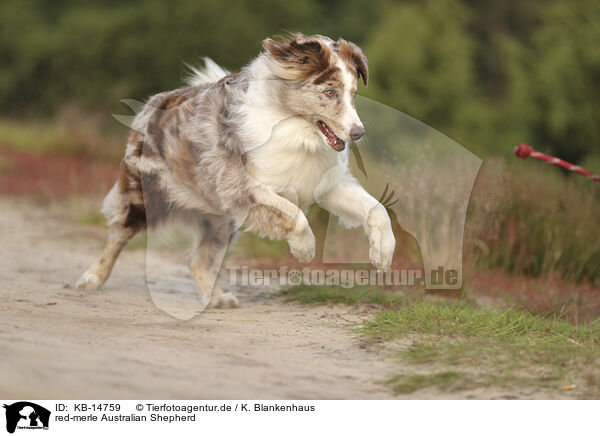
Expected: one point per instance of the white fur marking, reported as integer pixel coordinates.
(350, 116)
(209, 74)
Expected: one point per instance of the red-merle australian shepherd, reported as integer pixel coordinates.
(249, 150)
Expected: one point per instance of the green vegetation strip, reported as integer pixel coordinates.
(453, 345)
(339, 295)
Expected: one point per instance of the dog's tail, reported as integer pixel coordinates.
(209, 74)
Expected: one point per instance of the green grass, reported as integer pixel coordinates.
(338, 295)
(406, 384)
(490, 347)
(465, 319)
(453, 345)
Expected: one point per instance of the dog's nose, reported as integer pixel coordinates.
(357, 132)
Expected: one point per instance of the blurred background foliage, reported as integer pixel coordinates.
(489, 74)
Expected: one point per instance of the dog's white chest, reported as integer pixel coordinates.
(297, 175)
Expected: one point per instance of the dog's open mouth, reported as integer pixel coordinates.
(334, 141)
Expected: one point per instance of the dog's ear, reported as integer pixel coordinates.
(355, 57)
(306, 55)
(292, 48)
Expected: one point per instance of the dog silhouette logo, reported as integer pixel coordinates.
(26, 415)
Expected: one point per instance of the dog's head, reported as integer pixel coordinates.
(319, 82)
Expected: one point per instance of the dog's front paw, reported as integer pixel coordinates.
(303, 249)
(302, 241)
(381, 258)
(381, 239)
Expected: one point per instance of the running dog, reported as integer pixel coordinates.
(248, 151)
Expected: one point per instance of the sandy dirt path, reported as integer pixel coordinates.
(59, 342)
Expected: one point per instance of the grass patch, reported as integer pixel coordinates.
(484, 347)
(465, 319)
(337, 295)
(454, 345)
(406, 384)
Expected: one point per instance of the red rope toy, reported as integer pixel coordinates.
(524, 151)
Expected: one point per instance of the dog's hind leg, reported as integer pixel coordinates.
(126, 218)
(212, 241)
(99, 272)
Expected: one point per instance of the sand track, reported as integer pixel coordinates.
(59, 342)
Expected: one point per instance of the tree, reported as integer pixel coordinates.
(421, 62)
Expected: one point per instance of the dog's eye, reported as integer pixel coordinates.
(330, 93)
